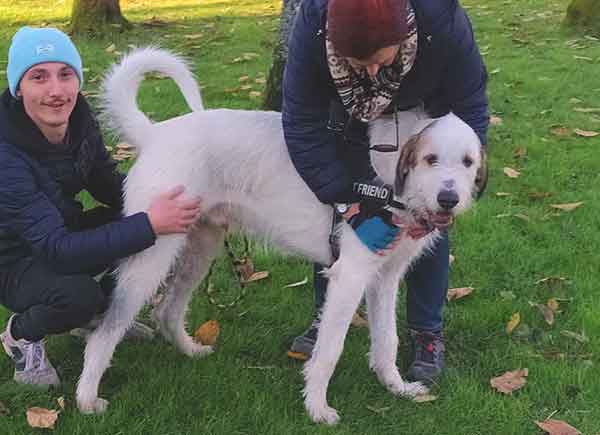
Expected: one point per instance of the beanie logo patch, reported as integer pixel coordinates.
(44, 50)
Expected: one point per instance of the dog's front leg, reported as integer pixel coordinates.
(344, 292)
(381, 306)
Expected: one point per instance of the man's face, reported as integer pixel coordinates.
(383, 57)
(49, 93)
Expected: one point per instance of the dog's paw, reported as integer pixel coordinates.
(323, 414)
(94, 406)
(409, 389)
(197, 350)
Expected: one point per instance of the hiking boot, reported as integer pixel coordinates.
(31, 363)
(303, 345)
(426, 356)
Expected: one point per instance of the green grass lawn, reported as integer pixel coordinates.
(542, 78)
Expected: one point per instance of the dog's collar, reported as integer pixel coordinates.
(396, 204)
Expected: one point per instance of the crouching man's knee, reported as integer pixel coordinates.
(79, 301)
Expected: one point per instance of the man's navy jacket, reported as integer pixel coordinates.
(448, 75)
(39, 213)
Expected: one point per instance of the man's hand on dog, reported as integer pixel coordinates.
(171, 214)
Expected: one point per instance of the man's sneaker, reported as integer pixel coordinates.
(426, 356)
(31, 363)
(303, 345)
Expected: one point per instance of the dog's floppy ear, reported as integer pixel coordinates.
(406, 161)
(481, 178)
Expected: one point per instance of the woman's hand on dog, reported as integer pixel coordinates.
(171, 214)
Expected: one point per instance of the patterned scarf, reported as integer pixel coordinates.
(365, 98)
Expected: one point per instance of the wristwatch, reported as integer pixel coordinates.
(341, 207)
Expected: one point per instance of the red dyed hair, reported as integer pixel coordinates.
(358, 28)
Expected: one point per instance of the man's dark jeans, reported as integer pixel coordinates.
(48, 302)
(427, 285)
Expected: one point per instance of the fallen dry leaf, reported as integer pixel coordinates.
(458, 292)
(553, 304)
(110, 48)
(208, 333)
(245, 267)
(510, 172)
(560, 131)
(378, 410)
(538, 195)
(193, 36)
(42, 417)
(523, 217)
(586, 133)
(359, 321)
(257, 276)
(422, 398)
(557, 427)
(495, 120)
(61, 402)
(260, 80)
(243, 79)
(503, 193)
(552, 280)
(510, 381)
(546, 312)
(520, 152)
(124, 146)
(587, 109)
(451, 259)
(297, 284)
(154, 22)
(514, 321)
(567, 207)
(582, 338)
(245, 87)
(255, 94)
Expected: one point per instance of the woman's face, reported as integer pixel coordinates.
(382, 57)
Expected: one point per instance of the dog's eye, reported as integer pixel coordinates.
(467, 161)
(431, 159)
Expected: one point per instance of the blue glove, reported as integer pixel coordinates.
(375, 231)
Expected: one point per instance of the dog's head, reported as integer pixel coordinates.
(439, 170)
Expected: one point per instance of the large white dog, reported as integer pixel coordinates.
(238, 163)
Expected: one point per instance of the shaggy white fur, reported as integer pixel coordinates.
(238, 163)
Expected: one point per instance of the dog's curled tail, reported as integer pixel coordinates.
(121, 84)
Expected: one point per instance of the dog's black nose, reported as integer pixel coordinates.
(447, 199)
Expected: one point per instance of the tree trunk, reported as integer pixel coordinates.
(273, 97)
(585, 13)
(92, 16)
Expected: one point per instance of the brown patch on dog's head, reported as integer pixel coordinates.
(408, 159)
(481, 178)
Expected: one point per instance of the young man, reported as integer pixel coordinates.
(349, 61)
(51, 149)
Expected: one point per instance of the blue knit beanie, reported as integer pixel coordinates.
(31, 46)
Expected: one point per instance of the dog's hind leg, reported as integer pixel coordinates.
(381, 313)
(347, 284)
(139, 277)
(202, 246)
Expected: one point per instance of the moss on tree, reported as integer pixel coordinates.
(584, 13)
(93, 16)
